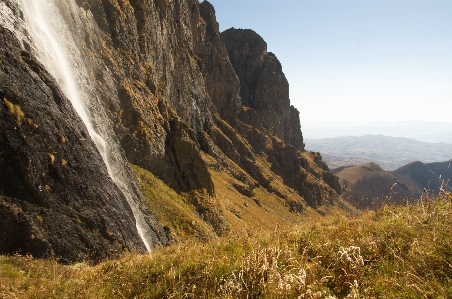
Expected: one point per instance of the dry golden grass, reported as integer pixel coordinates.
(243, 214)
(395, 252)
(171, 208)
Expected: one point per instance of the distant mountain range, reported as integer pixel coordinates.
(424, 131)
(388, 152)
(370, 186)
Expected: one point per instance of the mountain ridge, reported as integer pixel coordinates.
(424, 131)
(369, 186)
(425, 177)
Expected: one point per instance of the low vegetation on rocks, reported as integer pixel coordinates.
(394, 252)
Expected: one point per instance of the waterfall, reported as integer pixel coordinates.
(51, 42)
(194, 106)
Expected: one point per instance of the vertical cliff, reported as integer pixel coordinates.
(185, 103)
(56, 197)
(264, 88)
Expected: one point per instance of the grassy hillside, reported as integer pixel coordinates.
(432, 176)
(395, 252)
(418, 176)
(369, 186)
(197, 216)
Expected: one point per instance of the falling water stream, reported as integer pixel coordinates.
(51, 42)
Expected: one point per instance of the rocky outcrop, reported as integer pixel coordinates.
(147, 75)
(173, 67)
(56, 198)
(222, 83)
(264, 88)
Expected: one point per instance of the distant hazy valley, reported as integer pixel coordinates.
(377, 169)
(388, 152)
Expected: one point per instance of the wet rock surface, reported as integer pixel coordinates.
(56, 198)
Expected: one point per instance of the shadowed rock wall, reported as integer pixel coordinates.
(56, 198)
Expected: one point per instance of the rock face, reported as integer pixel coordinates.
(222, 83)
(181, 99)
(57, 199)
(264, 87)
(149, 80)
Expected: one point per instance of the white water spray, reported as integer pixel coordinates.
(194, 107)
(52, 43)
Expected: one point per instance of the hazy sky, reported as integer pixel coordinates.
(356, 60)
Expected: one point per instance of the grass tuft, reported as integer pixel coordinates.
(15, 110)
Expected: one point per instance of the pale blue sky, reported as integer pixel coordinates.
(356, 60)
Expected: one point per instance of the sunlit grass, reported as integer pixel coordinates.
(395, 252)
(171, 208)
